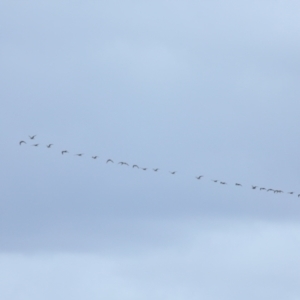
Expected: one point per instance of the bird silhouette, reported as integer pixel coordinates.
(291, 193)
(215, 180)
(79, 154)
(144, 169)
(262, 188)
(123, 163)
(238, 184)
(109, 160)
(270, 190)
(254, 187)
(49, 146)
(32, 137)
(64, 151)
(298, 195)
(278, 191)
(135, 166)
(173, 172)
(35, 145)
(199, 177)
(22, 142)
(222, 182)
(94, 157)
(155, 170)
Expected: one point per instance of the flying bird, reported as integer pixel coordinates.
(222, 182)
(215, 180)
(199, 177)
(94, 157)
(262, 188)
(254, 187)
(109, 160)
(278, 191)
(21, 142)
(35, 145)
(155, 170)
(135, 166)
(173, 172)
(64, 151)
(49, 146)
(291, 193)
(238, 184)
(79, 154)
(298, 195)
(270, 190)
(32, 137)
(123, 163)
(144, 169)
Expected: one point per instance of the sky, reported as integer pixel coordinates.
(198, 87)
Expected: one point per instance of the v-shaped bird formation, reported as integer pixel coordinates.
(123, 163)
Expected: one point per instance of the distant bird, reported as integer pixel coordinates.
(291, 193)
(278, 191)
(238, 184)
(155, 170)
(135, 166)
(215, 180)
(262, 188)
(270, 190)
(109, 160)
(254, 187)
(35, 145)
(199, 177)
(222, 182)
(94, 157)
(32, 137)
(64, 151)
(298, 195)
(123, 163)
(173, 172)
(20, 143)
(49, 146)
(144, 169)
(79, 154)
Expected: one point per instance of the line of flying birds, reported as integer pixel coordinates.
(254, 187)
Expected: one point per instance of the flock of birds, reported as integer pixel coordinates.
(122, 163)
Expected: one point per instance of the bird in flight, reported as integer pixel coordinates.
(222, 182)
(144, 169)
(215, 180)
(32, 137)
(173, 172)
(155, 170)
(109, 160)
(135, 166)
(123, 163)
(298, 195)
(278, 191)
(64, 151)
(270, 190)
(35, 145)
(238, 184)
(21, 142)
(262, 188)
(49, 146)
(291, 193)
(199, 177)
(254, 187)
(94, 157)
(79, 154)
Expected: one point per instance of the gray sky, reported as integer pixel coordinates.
(197, 87)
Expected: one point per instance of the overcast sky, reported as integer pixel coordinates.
(198, 87)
